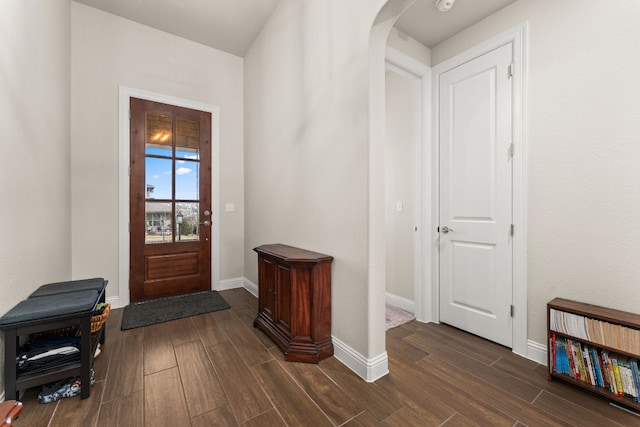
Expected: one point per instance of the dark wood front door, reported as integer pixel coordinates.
(170, 200)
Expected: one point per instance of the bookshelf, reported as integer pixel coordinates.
(595, 348)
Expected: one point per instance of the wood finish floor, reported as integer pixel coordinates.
(217, 370)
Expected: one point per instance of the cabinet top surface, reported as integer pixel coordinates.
(292, 254)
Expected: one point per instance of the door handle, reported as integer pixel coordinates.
(444, 229)
(205, 223)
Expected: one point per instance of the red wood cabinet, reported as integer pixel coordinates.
(294, 301)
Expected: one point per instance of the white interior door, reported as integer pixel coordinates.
(476, 284)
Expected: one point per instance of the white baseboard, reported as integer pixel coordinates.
(234, 283)
(537, 352)
(114, 301)
(400, 302)
(368, 369)
(251, 287)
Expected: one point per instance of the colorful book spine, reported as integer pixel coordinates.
(588, 365)
(618, 378)
(636, 378)
(596, 367)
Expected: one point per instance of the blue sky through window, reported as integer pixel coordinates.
(158, 174)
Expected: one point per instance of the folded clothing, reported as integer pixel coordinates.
(45, 357)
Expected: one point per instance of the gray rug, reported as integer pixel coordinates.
(161, 310)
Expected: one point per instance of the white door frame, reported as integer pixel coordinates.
(518, 37)
(420, 73)
(125, 93)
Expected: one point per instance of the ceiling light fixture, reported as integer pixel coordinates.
(444, 5)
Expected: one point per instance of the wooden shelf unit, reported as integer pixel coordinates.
(609, 315)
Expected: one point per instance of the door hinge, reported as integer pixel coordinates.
(129, 114)
(129, 170)
(510, 70)
(512, 229)
(512, 149)
(512, 310)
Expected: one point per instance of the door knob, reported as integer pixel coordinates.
(205, 223)
(446, 229)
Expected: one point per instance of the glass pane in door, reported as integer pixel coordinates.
(158, 178)
(187, 222)
(158, 223)
(187, 183)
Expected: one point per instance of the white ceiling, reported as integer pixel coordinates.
(423, 22)
(233, 25)
(228, 25)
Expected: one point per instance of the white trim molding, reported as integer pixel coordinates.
(251, 287)
(125, 93)
(400, 302)
(234, 283)
(423, 274)
(517, 36)
(114, 301)
(369, 370)
(537, 352)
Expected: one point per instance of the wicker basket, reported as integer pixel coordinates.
(98, 321)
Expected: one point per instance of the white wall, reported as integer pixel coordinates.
(583, 104)
(35, 247)
(400, 181)
(108, 51)
(306, 149)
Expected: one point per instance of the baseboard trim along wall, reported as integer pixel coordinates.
(114, 301)
(400, 302)
(251, 287)
(234, 283)
(537, 352)
(369, 370)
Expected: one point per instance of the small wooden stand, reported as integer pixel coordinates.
(294, 301)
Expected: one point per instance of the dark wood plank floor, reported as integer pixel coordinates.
(216, 369)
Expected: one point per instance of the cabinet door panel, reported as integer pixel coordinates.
(267, 287)
(283, 299)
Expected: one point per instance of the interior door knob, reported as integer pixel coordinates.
(444, 229)
(205, 223)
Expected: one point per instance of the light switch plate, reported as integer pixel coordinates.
(230, 207)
